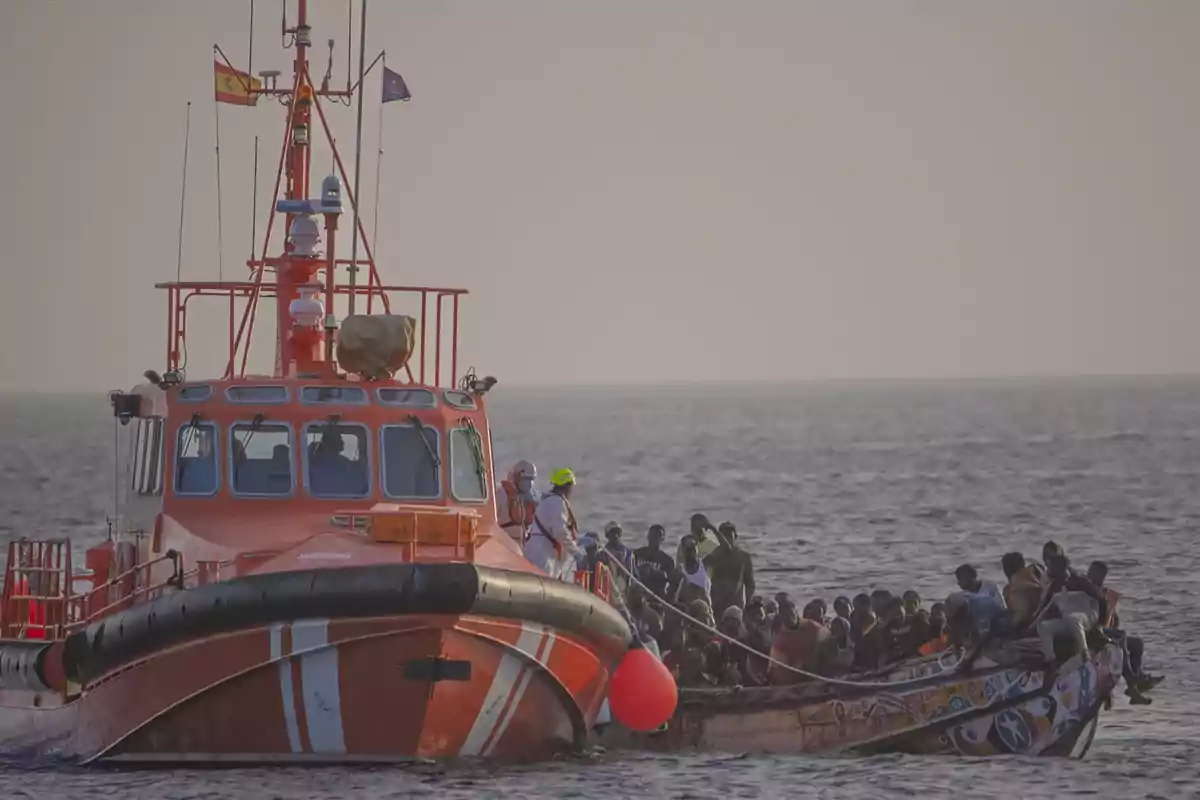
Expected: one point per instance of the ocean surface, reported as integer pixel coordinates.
(836, 488)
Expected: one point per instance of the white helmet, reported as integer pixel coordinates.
(523, 469)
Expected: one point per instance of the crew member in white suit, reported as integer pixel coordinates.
(553, 536)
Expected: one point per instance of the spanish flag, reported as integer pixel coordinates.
(233, 86)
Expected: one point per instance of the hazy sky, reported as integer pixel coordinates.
(641, 191)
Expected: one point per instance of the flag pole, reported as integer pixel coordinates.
(362, 53)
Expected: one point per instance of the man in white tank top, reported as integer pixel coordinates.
(692, 581)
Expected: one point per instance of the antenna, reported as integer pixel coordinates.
(328, 68)
(362, 54)
(254, 203)
(187, 135)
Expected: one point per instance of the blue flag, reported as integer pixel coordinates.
(394, 87)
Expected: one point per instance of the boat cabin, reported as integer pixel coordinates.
(297, 441)
(299, 451)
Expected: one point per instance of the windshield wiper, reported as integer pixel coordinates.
(421, 428)
(476, 448)
(255, 424)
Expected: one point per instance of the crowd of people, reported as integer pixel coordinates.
(700, 612)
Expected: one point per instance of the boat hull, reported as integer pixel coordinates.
(338, 688)
(992, 711)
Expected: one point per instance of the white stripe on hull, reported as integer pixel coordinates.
(319, 687)
(508, 687)
(285, 686)
(322, 692)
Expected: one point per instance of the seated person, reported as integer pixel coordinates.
(784, 605)
(649, 623)
(938, 638)
(1136, 680)
(842, 607)
(899, 638)
(837, 652)
(333, 474)
(724, 658)
(797, 644)
(917, 616)
(815, 611)
(879, 602)
(1023, 592)
(1073, 606)
(985, 601)
(588, 559)
(861, 613)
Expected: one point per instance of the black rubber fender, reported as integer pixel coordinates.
(347, 592)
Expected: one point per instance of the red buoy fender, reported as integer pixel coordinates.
(642, 693)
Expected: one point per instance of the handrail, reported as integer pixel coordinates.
(81, 604)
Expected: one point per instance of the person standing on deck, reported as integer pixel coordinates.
(654, 567)
(692, 581)
(553, 537)
(732, 571)
(517, 500)
(615, 549)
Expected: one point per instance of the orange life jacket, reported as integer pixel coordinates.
(520, 512)
(935, 645)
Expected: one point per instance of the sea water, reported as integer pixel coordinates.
(835, 488)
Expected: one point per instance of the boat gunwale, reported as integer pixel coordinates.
(352, 592)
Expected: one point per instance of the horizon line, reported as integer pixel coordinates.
(676, 382)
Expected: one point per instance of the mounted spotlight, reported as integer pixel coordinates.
(480, 387)
(125, 406)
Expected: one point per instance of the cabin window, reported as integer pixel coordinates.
(408, 398)
(260, 459)
(460, 400)
(195, 394)
(333, 395)
(257, 394)
(196, 459)
(336, 460)
(411, 462)
(468, 473)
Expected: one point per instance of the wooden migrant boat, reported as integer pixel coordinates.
(920, 706)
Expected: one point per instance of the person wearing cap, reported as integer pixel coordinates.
(553, 536)
(517, 500)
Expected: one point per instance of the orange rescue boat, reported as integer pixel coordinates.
(307, 566)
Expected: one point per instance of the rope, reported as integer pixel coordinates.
(718, 634)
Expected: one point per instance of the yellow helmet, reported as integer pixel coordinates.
(562, 477)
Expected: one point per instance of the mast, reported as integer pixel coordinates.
(297, 267)
(305, 282)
